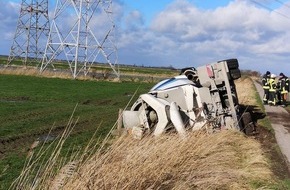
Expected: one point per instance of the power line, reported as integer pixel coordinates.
(270, 9)
(282, 3)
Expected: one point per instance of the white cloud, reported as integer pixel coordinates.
(134, 20)
(241, 29)
(9, 12)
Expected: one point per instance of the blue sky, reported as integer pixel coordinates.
(150, 8)
(182, 33)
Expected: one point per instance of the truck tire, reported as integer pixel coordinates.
(235, 74)
(248, 126)
(232, 64)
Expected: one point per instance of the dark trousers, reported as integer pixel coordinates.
(279, 97)
(266, 95)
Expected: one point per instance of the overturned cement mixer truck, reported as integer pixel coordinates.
(202, 97)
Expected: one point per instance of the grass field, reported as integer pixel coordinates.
(98, 67)
(201, 161)
(30, 106)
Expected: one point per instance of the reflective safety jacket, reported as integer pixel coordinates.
(272, 85)
(265, 81)
(283, 84)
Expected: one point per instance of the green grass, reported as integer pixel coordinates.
(30, 106)
(283, 185)
(11, 167)
(30, 101)
(99, 67)
(265, 122)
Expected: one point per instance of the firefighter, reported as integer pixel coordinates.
(266, 87)
(272, 90)
(283, 89)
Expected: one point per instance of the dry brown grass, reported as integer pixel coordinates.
(245, 90)
(33, 71)
(225, 160)
(41, 166)
(66, 74)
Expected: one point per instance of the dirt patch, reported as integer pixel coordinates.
(22, 143)
(282, 118)
(97, 103)
(266, 137)
(15, 99)
(270, 148)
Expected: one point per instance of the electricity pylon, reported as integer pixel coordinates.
(81, 33)
(31, 32)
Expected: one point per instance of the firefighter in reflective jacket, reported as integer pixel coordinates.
(283, 88)
(266, 87)
(272, 90)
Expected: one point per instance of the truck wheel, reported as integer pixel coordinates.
(235, 74)
(248, 126)
(232, 64)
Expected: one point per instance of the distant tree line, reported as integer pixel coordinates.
(251, 73)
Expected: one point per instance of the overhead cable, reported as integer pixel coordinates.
(270, 9)
(283, 4)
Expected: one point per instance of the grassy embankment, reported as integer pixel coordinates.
(97, 71)
(30, 106)
(200, 162)
(226, 160)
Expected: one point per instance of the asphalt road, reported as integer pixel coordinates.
(280, 121)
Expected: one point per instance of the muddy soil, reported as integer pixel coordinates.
(269, 145)
(22, 143)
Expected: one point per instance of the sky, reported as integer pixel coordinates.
(186, 33)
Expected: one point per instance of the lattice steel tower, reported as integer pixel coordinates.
(31, 33)
(82, 33)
